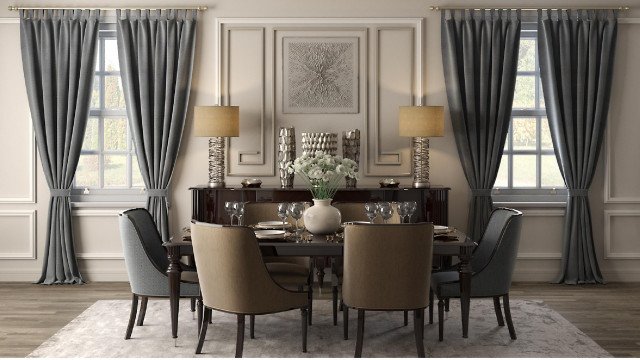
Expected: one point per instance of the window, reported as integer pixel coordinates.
(108, 163)
(528, 165)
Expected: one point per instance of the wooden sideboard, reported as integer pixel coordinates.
(208, 203)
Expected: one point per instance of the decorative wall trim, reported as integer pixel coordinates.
(31, 253)
(29, 198)
(97, 213)
(608, 214)
(608, 198)
(100, 256)
(541, 255)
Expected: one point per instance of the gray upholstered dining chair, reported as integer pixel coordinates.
(492, 262)
(146, 261)
(385, 268)
(234, 279)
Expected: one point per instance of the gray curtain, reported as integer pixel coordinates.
(480, 58)
(58, 58)
(576, 61)
(155, 50)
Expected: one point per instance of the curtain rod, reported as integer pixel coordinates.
(439, 8)
(16, 8)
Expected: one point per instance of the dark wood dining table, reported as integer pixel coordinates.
(319, 245)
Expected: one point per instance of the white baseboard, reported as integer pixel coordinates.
(88, 275)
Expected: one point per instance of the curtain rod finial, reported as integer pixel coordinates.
(202, 8)
(434, 8)
(13, 8)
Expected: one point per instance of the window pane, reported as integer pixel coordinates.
(527, 55)
(524, 133)
(115, 170)
(136, 177)
(550, 176)
(111, 55)
(545, 135)
(95, 93)
(525, 95)
(91, 135)
(113, 96)
(502, 180)
(88, 171)
(115, 134)
(541, 99)
(524, 171)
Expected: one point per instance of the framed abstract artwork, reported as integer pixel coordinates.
(320, 75)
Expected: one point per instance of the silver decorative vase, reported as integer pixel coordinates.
(314, 141)
(351, 150)
(286, 153)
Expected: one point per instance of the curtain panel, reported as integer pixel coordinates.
(58, 58)
(480, 58)
(155, 49)
(576, 63)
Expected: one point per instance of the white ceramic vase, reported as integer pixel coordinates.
(322, 218)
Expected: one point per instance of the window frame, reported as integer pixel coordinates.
(539, 194)
(100, 194)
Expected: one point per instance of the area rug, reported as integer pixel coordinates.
(99, 332)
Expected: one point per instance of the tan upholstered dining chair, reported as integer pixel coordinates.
(387, 268)
(234, 279)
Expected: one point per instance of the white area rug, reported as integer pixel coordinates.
(99, 332)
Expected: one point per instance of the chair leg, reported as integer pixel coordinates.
(252, 324)
(193, 304)
(203, 330)
(304, 313)
(360, 335)
(132, 316)
(446, 305)
(143, 310)
(430, 306)
(341, 305)
(199, 311)
(440, 319)
(345, 321)
(240, 336)
(507, 314)
(406, 318)
(310, 311)
(335, 305)
(496, 306)
(418, 329)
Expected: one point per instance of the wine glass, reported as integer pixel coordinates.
(402, 211)
(238, 208)
(295, 210)
(228, 208)
(385, 210)
(371, 210)
(411, 207)
(282, 213)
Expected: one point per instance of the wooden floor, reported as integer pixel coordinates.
(30, 314)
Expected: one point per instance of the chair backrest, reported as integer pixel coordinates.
(262, 211)
(494, 259)
(387, 266)
(232, 275)
(144, 256)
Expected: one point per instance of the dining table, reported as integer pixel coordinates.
(455, 244)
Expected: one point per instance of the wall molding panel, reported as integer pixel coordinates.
(30, 254)
(541, 255)
(97, 213)
(608, 215)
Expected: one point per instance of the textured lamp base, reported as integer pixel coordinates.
(216, 162)
(420, 162)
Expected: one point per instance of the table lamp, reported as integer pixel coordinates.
(217, 123)
(420, 123)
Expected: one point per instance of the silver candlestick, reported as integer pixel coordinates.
(286, 153)
(351, 150)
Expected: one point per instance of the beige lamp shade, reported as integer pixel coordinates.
(421, 121)
(216, 121)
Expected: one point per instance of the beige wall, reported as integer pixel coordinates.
(23, 208)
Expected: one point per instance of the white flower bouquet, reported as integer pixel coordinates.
(323, 172)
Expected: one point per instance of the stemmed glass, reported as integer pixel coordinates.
(371, 210)
(282, 213)
(295, 210)
(238, 210)
(228, 207)
(402, 211)
(410, 207)
(385, 210)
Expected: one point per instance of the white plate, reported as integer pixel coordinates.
(269, 234)
(355, 223)
(272, 225)
(440, 229)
